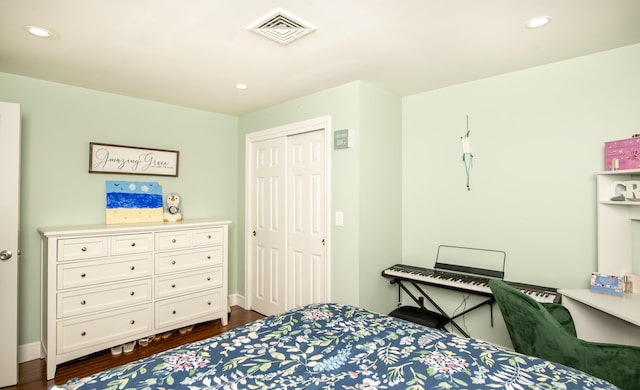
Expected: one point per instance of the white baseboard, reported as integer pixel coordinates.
(237, 300)
(28, 352)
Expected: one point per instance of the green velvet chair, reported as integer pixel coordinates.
(547, 331)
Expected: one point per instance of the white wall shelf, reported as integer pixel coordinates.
(620, 172)
(606, 318)
(615, 223)
(620, 203)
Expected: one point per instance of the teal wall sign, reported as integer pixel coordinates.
(341, 139)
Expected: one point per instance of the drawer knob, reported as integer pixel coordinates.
(173, 286)
(132, 322)
(208, 277)
(209, 257)
(83, 334)
(84, 249)
(133, 268)
(173, 241)
(133, 244)
(174, 312)
(209, 236)
(133, 293)
(173, 262)
(209, 303)
(82, 275)
(83, 302)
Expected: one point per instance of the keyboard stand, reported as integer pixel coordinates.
(445, 318)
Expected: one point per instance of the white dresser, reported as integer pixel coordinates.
(104, 285)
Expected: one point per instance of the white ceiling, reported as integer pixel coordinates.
(193, 52)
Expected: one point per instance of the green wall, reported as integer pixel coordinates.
(341, 104)
(380, 195)
(59, 121)
(537, 138)
(365, 244)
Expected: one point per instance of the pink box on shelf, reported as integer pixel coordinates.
(625, 151)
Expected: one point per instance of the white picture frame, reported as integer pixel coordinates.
(131, 160)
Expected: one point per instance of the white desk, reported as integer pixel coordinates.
(604, 318)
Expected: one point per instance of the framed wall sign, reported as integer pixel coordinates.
(106, 158)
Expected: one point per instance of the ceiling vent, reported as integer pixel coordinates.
(282, 27)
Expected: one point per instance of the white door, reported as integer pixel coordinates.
(286, 217)
(9, 198)
(268, 236)
(306, 237)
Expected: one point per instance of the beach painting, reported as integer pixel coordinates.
(133, 202)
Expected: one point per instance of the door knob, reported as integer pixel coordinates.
(5, 255)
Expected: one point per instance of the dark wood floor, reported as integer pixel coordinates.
(32, 374)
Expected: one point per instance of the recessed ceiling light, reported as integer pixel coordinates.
(538, 21)
(40, 32)
(241, 86)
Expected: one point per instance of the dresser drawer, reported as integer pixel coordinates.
(131, 243)
(93, 330)
(185, 282)
(203, 237)
(112, 296)
(173, 240)
(82, 248)
(188, 259)
(86, 273)
(173, 311)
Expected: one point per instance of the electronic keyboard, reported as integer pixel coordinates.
(470, 283)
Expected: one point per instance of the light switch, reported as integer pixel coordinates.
(339, 218)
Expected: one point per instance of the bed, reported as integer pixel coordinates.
(333, 346)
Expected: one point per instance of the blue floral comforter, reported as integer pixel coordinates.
(331, 346)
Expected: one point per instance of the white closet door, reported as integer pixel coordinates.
(9, 198)
(287, 260)
(268, 220)
(306, 228)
